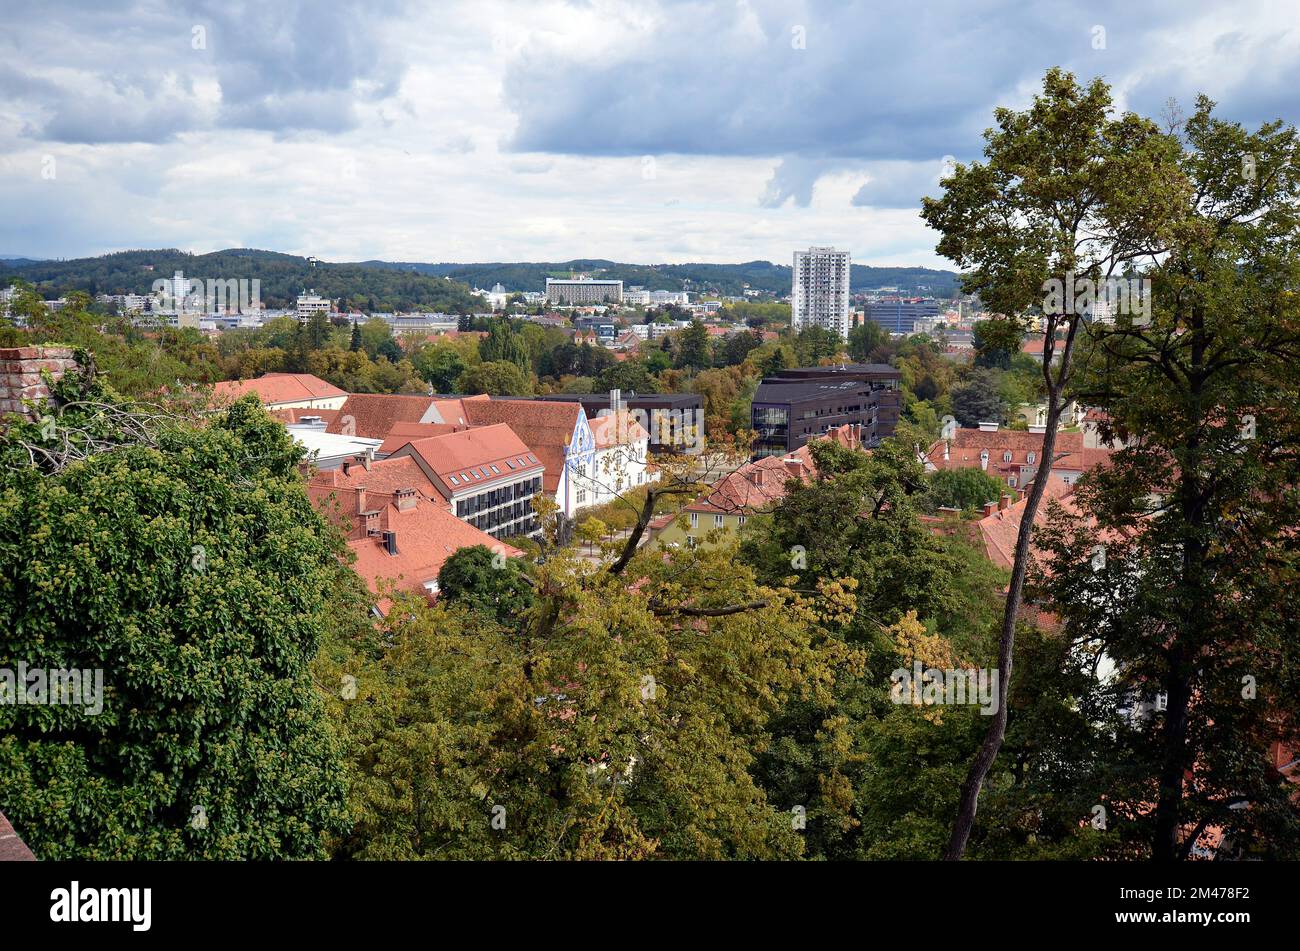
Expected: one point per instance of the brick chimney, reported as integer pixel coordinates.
(361, 499)
(1003, 502)
(990, 508)
(793, 467)
(20, 375)
(756, 475)
(405, 499)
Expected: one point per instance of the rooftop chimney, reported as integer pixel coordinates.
(361, 496)
(756, 475)
(1003, 502)
(390, 542)
(364, 459)
(794, 466)
(945, 450)
(405, 499)
(990, 508)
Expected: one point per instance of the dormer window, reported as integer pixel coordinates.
(1030, 458)
(1006, 457)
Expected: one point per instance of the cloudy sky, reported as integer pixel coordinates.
(490, 130)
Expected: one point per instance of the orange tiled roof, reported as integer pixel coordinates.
(754, 486)
(272, 388)
(965, 448)
(544, 425)
(372, 415)
(999, 530)
(294, 414)
(402, 433)
(426, 536)
(469, 455)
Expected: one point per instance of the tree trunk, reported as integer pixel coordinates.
(970, 789)
(1165, 848)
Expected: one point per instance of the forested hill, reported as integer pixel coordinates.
(394, 285)
(283, 277)
(715, 278)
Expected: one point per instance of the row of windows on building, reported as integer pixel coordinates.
(718, 520)
(483, 501)
(489, 471)
(580, 494)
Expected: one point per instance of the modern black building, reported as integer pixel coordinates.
(801, 403)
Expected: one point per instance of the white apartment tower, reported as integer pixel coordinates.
(820, 297)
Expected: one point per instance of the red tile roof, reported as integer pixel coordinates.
(273, 388)
(426, 535)
(965, 448)
(547, 427)
(295, 414)
(1000, 530)
(756, 485)
(402, 433)
(373, 415)
(469, 456)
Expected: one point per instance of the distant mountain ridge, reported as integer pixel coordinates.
(282, 278)
(399, 285)
(729, 279)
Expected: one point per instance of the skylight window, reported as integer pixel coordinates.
(496, 470)
(531, 457)
(453, 481)
(510, 463)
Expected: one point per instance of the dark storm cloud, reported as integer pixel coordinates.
(874, 80)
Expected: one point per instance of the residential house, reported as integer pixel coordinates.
(399, 527)
(486, 475)
(736, 497)
(620, 461)
(1013, 457)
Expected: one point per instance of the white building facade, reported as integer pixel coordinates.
(820, 293)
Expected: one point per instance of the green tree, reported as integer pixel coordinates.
(978, 399)
(1067, 191)
(693, 348)
(964, 489)
(814, 344)
(1193, 598)
(186, 565)
(440, 367)
(996, 342)
(504, 344)
(486, 581)
(864, 339)
(501, 378)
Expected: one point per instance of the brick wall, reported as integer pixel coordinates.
(20, 374)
